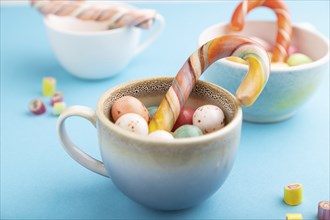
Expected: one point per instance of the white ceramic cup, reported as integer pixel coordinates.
(287, 88)
(87, 50)
(166, 175)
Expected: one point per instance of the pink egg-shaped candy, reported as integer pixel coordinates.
(128, 104)
(209, 118)
(292, 49)
(161, 135)
(185, 118)
(134, 123)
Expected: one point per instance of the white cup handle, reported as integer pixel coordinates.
(153, 36)
(77, 154)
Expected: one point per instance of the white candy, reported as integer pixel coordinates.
(161, 135)
(134, 123)
(209, 118)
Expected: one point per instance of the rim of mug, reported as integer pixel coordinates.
(180, 141)
(279, 70)
(49, 25)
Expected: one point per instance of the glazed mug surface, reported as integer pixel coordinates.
(164, 175)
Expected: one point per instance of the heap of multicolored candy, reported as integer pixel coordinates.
(130, 114)
(115, 16)
(38, 107)
(282, 54)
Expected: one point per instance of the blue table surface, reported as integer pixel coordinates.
(40, 181)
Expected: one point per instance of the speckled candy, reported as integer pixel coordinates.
(293, 194)
(128, 104)
(187, 131)
(161, 135)
(134, 123)
(209, 118)
(298, 59)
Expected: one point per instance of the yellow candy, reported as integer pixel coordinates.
(237, 60)
(59, 107)
(294, 217)
(293, 194)
(48, 86)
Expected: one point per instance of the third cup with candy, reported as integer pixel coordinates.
(292, 81)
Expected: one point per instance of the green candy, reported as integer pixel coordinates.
(186, 131)
(152, 110)
(298, 59)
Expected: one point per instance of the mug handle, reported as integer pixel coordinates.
(77, 154)
(153, 36)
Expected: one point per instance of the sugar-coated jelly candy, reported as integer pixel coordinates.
(294, 216)
(293, 194)
(186, 131)
(48, 86)
(323, 210)
(37, 107)
(59, 107)
(56, 97)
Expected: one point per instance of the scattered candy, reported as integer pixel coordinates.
(152, 110)
(59, 107)
(48, 86)
(323, 210)
(134, 123)
(56, 97)
(185, 118)
(128, 104)
(209, 118)
(284, 29)
(294, 217)
(187, 131)
(298, 59)
(116, 16)
(37, 107)
(293, 194)
(201, 59)
(161, 135)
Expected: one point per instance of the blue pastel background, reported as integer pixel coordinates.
(40, 181)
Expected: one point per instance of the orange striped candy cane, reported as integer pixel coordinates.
(284, 32)
(185, 80)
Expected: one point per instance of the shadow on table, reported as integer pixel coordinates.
(102, 199)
